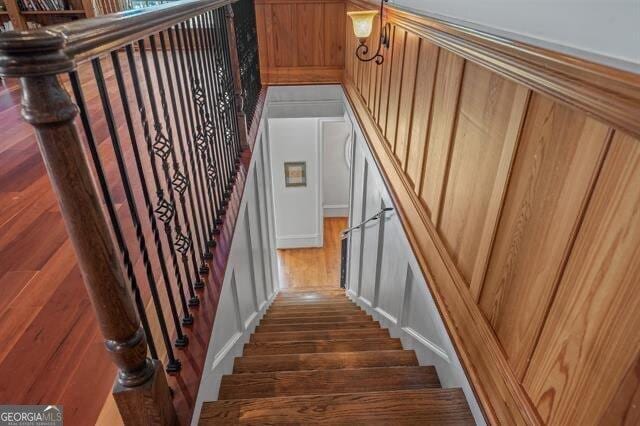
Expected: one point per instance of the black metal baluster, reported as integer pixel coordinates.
(208, 117)
(221, 105)
(164, 209)
(203, 120)
(232, 131)
(189, 127)
(124, 175)
(185, 166)
(199, 99)
(178, 183)
(197, 135)
(214, 99)
(247, 45)
(113, 216)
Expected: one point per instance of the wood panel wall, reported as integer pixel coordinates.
(522, 200)
(301, 41)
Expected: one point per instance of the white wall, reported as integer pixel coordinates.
(383, 276)
(335, 174)
(250, 280)
(298, 209)
(606, 31)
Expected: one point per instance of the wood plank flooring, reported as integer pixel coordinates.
(314, 267)
(340, 374)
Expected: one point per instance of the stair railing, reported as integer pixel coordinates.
(146, 206)
(344, 242)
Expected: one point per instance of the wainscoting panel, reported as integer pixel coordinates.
(512, 170)
(301, 41)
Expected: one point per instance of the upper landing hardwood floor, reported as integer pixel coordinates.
(314, 267)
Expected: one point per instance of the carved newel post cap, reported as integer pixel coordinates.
(33, 53)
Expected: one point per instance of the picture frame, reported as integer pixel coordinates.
(295, 173)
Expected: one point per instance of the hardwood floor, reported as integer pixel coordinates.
(52, 351)
(330, 377)
(314, 267)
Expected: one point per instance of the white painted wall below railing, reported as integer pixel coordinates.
(250, 280)
(383, 276)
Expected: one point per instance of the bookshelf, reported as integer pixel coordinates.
(25, 14)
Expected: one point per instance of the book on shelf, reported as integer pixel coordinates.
(6, 26)
(43, 5)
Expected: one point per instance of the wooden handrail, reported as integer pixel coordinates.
(37, 57)
(82, 40)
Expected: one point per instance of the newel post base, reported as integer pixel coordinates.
(146, 404)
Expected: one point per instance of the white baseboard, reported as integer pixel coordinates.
(299, 241)
(335, 210)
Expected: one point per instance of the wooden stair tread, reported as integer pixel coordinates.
(318, 319)
(290, 383)
(317, 326)
(309, 296)
(309, 290)
(424, 406)
(318, 361)
(319, 335)
(316, 313)
(316, 346)
(316, 357)
(307, 305)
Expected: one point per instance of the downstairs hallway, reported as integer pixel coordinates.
(305, 268)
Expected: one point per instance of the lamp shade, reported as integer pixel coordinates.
(362, 22)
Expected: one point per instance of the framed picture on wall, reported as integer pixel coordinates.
(295, 173)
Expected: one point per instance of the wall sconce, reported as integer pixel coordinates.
(362, 27)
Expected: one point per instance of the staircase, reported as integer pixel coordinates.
(317, 358)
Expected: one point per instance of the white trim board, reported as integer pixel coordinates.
(299, 241)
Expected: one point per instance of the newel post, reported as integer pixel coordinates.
(140, 390)
(237, 79)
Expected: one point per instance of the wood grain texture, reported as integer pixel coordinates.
(320, 346)
(407, 98)
(591, 335)
(300, 42)
(558, 158)
(314, 267)
(315, 319)
(445, 106)
(427, 407)
(317, 326)
(395, 83)
(503, 164)
(323, 361)
(483, 141)
(610, 94)
(290, 383)
(421, 116)
(299, 336)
